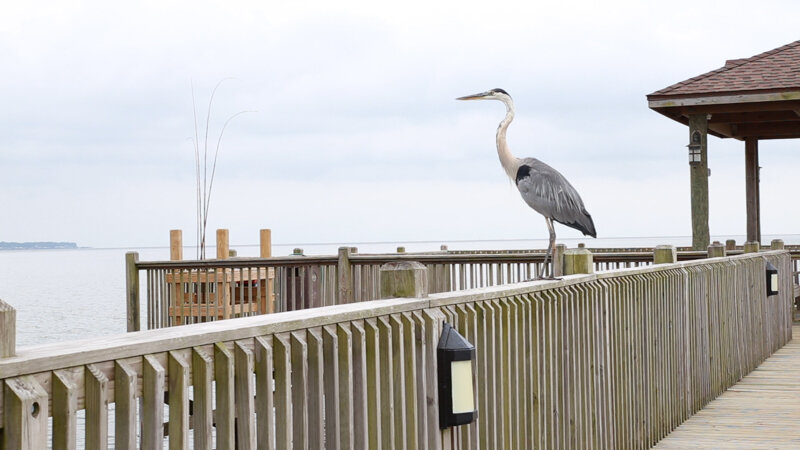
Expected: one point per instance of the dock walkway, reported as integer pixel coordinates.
(761, 411)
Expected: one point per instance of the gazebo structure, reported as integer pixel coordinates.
(748, 99)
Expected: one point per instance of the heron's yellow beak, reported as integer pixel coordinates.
(480, 96)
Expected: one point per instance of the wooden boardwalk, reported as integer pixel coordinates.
(761, 411)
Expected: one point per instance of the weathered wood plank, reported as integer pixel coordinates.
(373, 373)
(345, 357)
(202, 417)
(25, 409)
(244, 394)
(360, 405)
(65, 408)
(282, 351)
(225, 416)
(125, 388)
(331, 383)
(96, 404)
(264, 395)
(299, 379)
(153, 377)
(178, 428)
(316, 388)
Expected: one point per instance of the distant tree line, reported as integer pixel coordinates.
(35, 245)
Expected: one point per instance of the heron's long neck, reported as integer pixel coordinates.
(507, 160)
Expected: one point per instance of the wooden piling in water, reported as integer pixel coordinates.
(223, 250)
(175, 245)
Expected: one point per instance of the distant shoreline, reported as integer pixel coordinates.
(37, 245)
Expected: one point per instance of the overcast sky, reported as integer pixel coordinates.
(355, 134)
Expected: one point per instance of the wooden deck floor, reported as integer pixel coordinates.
(761, 411)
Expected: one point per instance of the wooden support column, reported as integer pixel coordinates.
(699, 184)
(752, 190)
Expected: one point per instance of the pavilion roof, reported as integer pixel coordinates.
(775, 70)
(749, 97)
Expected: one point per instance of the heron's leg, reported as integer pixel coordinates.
(551, 248)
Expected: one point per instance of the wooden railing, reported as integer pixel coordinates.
(608, 360)
(180, 292)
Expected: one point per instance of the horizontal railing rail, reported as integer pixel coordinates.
(608, 360)
(182, 292)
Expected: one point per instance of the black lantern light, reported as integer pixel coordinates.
(454, 356)
(695, 147)
(772, 279)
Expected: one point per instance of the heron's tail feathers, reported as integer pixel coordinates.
(584, 224)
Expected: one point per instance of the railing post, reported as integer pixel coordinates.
(730, 244)
(776, 244)
(408, 279)
(751, 247)
(25, 412)
(265, 241)
(716, 250)
(664, 254)
(8, 330)
(132, 289)
(578, 261)
(558, 260)
(344, 277)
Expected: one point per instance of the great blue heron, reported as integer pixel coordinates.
(543, 188)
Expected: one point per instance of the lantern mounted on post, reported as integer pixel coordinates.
(695, 148)
(772, 279)
(454, 357)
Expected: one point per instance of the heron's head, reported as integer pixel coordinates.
(494, 94)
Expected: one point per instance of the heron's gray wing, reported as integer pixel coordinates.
(547, 191)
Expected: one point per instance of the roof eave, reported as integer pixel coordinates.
(666, 101)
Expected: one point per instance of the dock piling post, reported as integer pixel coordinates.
(175, 245)
(223, 251)
(266, 243)
(776, 244)
(730, 244)
(408, 279)
(8, 330)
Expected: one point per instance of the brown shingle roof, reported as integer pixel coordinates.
(775, 70)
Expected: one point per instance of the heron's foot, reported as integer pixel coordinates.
(543, 278)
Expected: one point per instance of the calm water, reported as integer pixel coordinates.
(71, 294)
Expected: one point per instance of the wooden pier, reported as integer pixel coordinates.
(761, 411)
(614, 359)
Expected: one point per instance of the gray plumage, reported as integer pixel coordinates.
(543, 188)
(550, 194)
